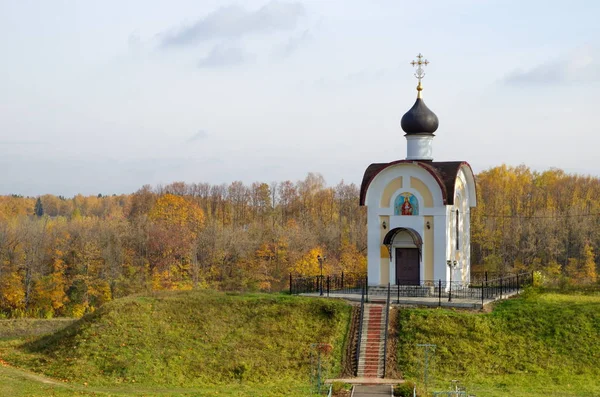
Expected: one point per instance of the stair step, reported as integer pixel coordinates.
(371, 355)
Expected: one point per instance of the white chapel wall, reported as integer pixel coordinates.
(462, 255)
(376, 211)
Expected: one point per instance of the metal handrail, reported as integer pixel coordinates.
(355, 283)
(360, 326)
(387, 325)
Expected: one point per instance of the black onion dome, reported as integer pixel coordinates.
(419, 119)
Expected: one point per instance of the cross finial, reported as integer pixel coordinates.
(420, 72)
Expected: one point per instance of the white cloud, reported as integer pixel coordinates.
(235, 22)
(222, 55)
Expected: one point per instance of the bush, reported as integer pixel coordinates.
(239, 370)
(538, 278)
(337, 387)
(404, 389)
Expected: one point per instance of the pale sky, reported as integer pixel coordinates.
(106, 96)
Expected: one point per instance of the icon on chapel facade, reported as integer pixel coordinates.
(406, 204)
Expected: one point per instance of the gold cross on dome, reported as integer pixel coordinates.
(419, 63)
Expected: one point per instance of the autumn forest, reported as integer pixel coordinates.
(67, 256)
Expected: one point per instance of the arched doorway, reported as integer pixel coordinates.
(404, 246)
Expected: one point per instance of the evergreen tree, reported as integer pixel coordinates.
(39, 209)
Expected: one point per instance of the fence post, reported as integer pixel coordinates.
(440, 292)
(388, 292)
(290, 283)
(398, 291)
(328, 286)
(501, 288)
(367, 288)
(486, 279)
(342, 280)
(482, 301)
(387, 323)
(360, 328)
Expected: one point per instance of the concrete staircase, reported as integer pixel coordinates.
(371, 356)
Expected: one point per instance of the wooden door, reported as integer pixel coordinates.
(407, 266)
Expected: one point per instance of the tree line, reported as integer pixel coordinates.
(546, 221)
(67, 256)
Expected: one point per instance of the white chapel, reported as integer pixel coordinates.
(418, 209)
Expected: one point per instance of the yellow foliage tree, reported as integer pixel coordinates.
(177, 211)
(572, 270)
(588, 265)
(271, 263)
(553, 269)
(308, 264)
(99, 292)
(351, 260)
(12, 290)
(176, 224)
(49, 291)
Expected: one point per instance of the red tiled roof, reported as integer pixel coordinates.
(444, 172)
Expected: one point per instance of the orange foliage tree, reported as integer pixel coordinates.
(176, 224)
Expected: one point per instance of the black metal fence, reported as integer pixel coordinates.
(360, 331)
(504, 285)
(344, 283)
(352, 283)
(479, 276)
(388, 302)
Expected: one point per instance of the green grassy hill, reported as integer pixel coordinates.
(193, 339)
(204, 343)
(541, 344)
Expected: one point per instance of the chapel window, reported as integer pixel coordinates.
(457, 233)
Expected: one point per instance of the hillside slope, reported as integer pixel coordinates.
(537, 344)
(192, 338)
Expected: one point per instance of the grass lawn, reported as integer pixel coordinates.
(540, 344)
(182, 343)
(19, 383)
